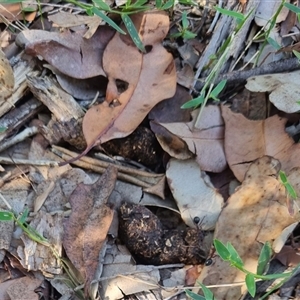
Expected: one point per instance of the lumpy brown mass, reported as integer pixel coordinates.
(149, 242)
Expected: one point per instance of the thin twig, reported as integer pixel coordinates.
(19, 161)
(94, 165)
(104, 164)
(239, 77)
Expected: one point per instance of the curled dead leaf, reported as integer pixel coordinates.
(137, 81)
(254, 214)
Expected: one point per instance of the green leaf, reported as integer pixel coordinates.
(102, 5)
(234, 256)
(158, 4)
(6, 216)
(217, 90)
(184, 20)
(273, 43)
(291, 191)
(207, 292)
(105, 18)
(168, 4)
(189, 35)
(133, 32)
(275, 276)
(264, 258)
(292, 7)
(297, 54)
(250, 283)
(139, 3)
(23, 217)
(222, 250)
(230, 13)
(193, 103)
(194, 296)
(188, 2)
(283, 177)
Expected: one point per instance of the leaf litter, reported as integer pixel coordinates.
(89, 233)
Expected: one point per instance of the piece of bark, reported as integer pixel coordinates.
(21, 69)
(67, 113)
(239, 77)
(14, 119)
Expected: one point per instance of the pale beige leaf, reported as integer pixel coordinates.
(194, 194)
(7, 79)
(206, 141)
(247, 140)
(284, 90)
(254, 214)
(265, 11)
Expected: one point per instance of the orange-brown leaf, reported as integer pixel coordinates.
(146, 78)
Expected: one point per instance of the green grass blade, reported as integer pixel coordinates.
(169, 4)
(207, 292)
(6, 216)
(222, 250)
(193, 103)
(101, 4)
(194, 296)
(217, 90)
(109, 21)
(250, 283)
(133, 32)
(230, 13)
(234, 256)
(292, 7)
(297, 54)
(264, 258)
(273, 43)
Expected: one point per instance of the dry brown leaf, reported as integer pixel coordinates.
(24, 288)
(147, 79)
(15, 11)
(67, 19)
(284, 90)
(6, 78)
(255, 213)
(87, 227)
(171, 143)
(194, 194)
(169, 110)
(70, 53)
(247, 140)
(206, 141)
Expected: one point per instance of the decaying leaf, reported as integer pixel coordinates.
(87, 227)
(266, 10)
(246, 140)
(194, 194)
(137, 81)
(23, 288)
(204, 139)
(70, 53)
(284, 90)
(255, 213)
(6, 78)
(67, 19)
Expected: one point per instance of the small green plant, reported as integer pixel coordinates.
(208, 91)
(74, 279)
(201, 98)
(228, 253)
(183, 30)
